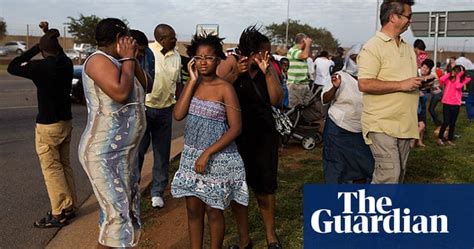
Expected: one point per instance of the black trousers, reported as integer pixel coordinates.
(450, 115)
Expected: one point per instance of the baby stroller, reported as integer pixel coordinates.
(307, 133)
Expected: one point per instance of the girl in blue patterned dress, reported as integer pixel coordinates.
(211, 173)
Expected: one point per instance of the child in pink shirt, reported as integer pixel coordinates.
(453, 83)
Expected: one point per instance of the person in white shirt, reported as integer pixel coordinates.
(311, 67)
(465, 62)
(346, 157)
(323, 69)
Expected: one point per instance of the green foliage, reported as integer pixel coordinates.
(320, 36)
(83, 28)
(3, 27)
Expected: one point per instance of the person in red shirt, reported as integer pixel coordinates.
(421, 55)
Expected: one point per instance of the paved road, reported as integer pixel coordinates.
(23, 196)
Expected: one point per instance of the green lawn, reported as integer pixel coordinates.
(432, 164)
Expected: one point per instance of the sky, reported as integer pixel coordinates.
(350, 21)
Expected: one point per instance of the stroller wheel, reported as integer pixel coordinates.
(308, 143)
(318, 138)
(285, 139)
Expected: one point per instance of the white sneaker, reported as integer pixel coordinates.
(157, 201)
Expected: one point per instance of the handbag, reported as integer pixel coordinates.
(283, 123)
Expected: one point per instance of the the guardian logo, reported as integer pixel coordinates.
(373, 215)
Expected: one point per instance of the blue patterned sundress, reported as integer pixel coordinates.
(108, 154)
(224, 176)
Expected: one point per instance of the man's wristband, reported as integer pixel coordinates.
(127, 59)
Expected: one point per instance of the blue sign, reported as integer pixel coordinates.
(389, 216)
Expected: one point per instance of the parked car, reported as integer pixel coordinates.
(82, 47)
(72, 54)
(77, 90)
(18, 47)
(3, 51)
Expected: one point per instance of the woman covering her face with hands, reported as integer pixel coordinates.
(114, 91)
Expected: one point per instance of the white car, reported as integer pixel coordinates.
(3, 51)
(82, 47)
(18, 47)
(75, 55)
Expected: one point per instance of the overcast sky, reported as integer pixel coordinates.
(350, 21)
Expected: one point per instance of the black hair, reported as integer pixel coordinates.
(139, 36)
(160, 30)
(458, 69)
(107, 30)
(419, 44)
(210, 40)
(390, 7)
(285, 59)
(49, 42)
(324, 54)
(251, 40)
(429, 63)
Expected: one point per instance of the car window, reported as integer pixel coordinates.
(9, 43)
(23, 43)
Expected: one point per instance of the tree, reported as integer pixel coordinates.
(83, 28)
(3, 27)
(320, 36)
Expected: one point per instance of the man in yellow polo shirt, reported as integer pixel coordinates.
(387, 77)
(159, 108)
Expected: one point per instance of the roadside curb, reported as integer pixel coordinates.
(83, 231)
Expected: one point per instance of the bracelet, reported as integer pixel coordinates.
(127, 59)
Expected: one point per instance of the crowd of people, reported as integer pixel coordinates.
(372, 102)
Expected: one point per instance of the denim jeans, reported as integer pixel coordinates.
(158, 131)
(435, 99)
(470, 107)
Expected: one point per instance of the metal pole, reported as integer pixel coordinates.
(435, 52)
(287, 23)
(27, 36)
(64, 37)
(376, 16)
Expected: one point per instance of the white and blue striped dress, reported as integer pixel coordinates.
(108, 154)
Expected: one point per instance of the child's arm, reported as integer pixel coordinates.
(460, 83)
(235, 126)
(442, 80)
(182, 105)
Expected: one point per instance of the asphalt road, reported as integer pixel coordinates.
(23, 196)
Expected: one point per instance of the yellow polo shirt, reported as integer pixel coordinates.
(167, 74)
(394, 114)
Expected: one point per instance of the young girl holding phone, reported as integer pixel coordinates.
(211, 173)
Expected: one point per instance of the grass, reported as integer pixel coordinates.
(432, 164)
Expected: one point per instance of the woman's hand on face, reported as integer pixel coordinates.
(201, 162)
(336, 80)
(243, 64)
(193, 73)
(126, 47)
(263, 61)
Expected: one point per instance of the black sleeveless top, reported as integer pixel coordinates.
(256, 112)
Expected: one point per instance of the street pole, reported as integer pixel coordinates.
(287, 23)
(27, 36)
(435, 52)
(376, 16)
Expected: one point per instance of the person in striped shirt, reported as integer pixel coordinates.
(298, 81)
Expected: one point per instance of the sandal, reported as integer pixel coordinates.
(248, 246)
(68, 214)
(50, 221)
